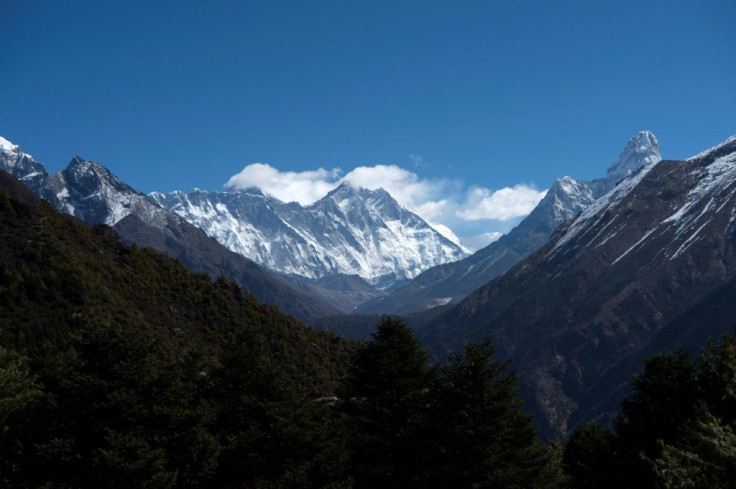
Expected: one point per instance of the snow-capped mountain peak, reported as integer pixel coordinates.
(352, 230)
(22, 165)
(568, 197)
(91, 173)
(95, 194)
(378, 203)
(7, 147)
(84, 189)
(641, 150)
(10, 150)
(564, 200)
(89, 191)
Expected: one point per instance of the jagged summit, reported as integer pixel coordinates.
(632, 274)
(344, 190)
(352, 231)
(89, 191)
(347, 189)
(7, 147)
(348, 196)
(82, 169)
(565, 199)
(344, 186)
(641, 150)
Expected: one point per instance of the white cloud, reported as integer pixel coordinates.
(501, 205)
(406, 187)
(477, 214)
(474, 243)
(304, 187)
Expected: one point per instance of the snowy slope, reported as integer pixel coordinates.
(352, 231)
(564, 200)
(84, 189)
(90, 192)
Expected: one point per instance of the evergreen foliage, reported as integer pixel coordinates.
(121, 368)
(107, 411)
(271, 436)
(705, 457)
(676, 430)
(662, 402)
(58, 274)
(590, 460)
(486, 439)
(412, 425)
(385, 399)
(124, 349)
(20, 394)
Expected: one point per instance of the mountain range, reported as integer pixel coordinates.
(651, 264)
(601, 273)
(315, 261)
(89, 191)
(59, 275)
(350, 231)
(449, 283)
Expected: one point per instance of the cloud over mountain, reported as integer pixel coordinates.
(502, 205)
(304, 187)
(447, 204)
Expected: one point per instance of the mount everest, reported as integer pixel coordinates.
(599, 274)
(351, 231)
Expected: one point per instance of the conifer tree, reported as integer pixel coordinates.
(385, 400)
(664, 397)
(704, 457)
(717, 377)
(486, 439)
(20, 398)
(589, 458)
(271, 436)
(119, 416)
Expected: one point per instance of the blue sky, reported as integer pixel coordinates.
(457, 100)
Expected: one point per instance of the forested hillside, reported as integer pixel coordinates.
(57, 274)
(120, 368)
(675, 430)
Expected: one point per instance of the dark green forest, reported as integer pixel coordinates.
(121, 368)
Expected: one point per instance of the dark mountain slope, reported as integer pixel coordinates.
(57, 273)
(450, 282)
(89, 191)
(709, 318)
(604, 287)
(198, 252)
(343, 292)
